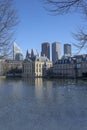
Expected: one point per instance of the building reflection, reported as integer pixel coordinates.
(29, 81)
(38, 82)
(39, 88)
(43, 90)
(49, 91)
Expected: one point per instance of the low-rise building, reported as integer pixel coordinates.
(81, 65)
(2, 63)
(36, 66)
(12, 64)
(63, 69)
(70, 67)
(13, 67)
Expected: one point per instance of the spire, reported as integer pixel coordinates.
(28, 55)
(32, 53)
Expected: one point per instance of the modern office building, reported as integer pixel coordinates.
(17, 52)
(45, 49)
(56, 51)
(67, 50)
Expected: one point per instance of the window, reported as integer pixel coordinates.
(39, 65)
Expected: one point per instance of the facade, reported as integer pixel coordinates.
(72, 67)
(67, 50)
(45, 49)
(17, 52)
(66, 69)
(81, 65)
(2, 64)
(12, 64)
(8, 66)
(13, 67)
(36, 67)
(56, 51)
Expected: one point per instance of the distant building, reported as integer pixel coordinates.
(13, 66)
(9, 66)
(63, 69)
(17, 52)
(71, 67)
(67, 50)
(2, 63)
(45, 49)
(56, 51)
(28, 55)
(36, 66)
(32, 54)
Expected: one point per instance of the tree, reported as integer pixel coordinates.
(64, 6)
(8, 21)
(67, 6)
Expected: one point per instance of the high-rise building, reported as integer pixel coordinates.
(17, 52)
(45, 49)
(67, 49)
(56, 52)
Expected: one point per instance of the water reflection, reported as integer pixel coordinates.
(39, 88)
(55, 89)
(42, 104)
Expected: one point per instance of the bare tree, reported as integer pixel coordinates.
(67, 6)
(8, 21)
(63, 6)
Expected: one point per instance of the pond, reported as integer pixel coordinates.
(42, 104)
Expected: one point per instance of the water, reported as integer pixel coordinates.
(43, 104)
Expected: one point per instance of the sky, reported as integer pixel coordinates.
(37, 26)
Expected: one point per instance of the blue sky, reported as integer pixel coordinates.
(37, 26)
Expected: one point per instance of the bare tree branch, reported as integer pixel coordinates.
(67, 6)
(8, 22)
(63, 6)
(81, 37)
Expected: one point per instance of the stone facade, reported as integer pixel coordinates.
(36, 67)
(64, 70)
(13, 68)
(72, 67)
(12, 64)
(2, 63)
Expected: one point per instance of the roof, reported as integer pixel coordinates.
(37, 58)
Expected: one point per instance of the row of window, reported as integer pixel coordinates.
(63, 71)
(27, 71)
(64, 66)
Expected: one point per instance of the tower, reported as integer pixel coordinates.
(67, 49)
(45, 49)
(56, 52)
(17, 52)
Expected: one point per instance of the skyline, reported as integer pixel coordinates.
(37, 26)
